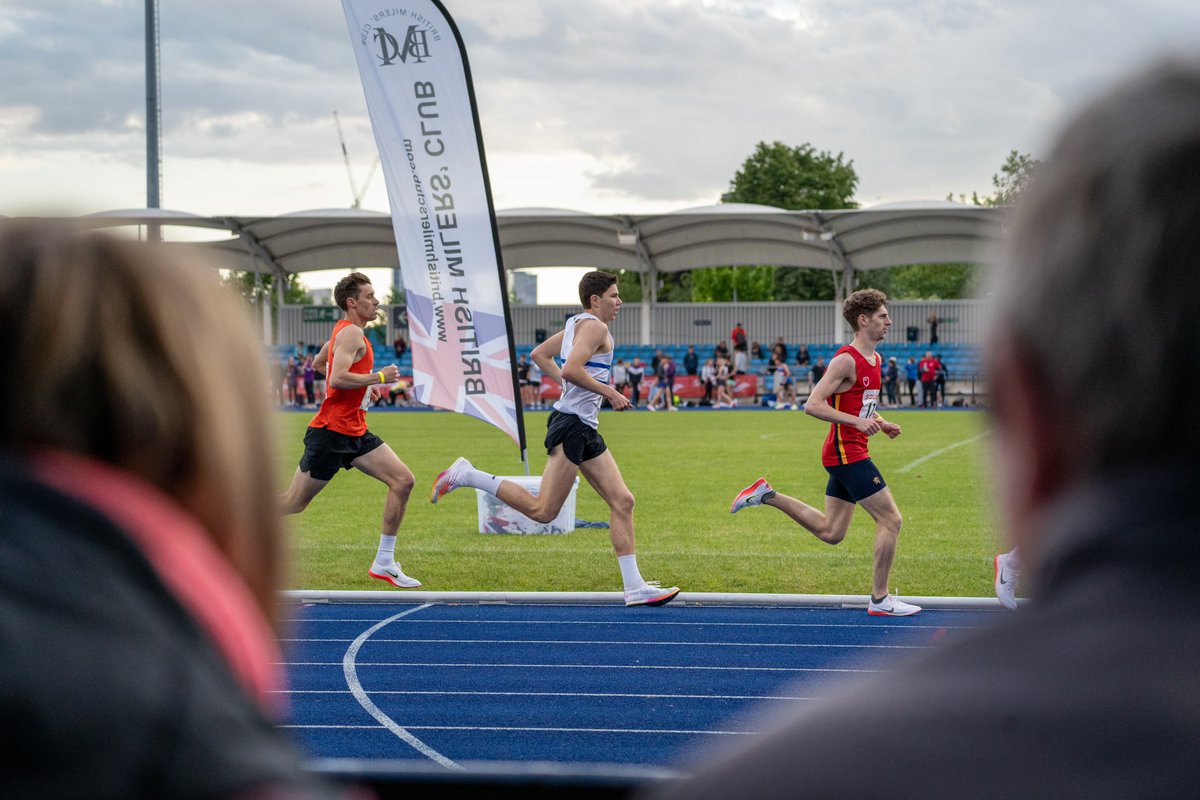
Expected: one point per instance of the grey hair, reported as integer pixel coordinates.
(1097, 292)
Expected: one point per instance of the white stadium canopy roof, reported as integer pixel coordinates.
(729, 234)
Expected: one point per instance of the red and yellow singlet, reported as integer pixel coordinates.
(845, 444)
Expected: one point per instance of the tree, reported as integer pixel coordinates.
(951, 281)
(795, 178)
(674, 287)
(926, 281)
(721, 284)
(1008, 184)
(244, 284)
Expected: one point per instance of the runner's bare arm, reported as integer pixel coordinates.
(347, 348)
(838, 376)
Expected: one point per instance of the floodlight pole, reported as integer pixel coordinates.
(153, 119)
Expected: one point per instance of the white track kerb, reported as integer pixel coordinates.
(618, 599)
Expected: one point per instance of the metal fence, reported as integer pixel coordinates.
(960, 322)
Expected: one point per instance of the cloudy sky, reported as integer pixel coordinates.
(598, 105)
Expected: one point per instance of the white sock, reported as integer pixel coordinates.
(1014, 563)
(478, 479)
(386, 553)
(630, 575)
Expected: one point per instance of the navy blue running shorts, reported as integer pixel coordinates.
(854, 482)
(580, 441)
(326, 451)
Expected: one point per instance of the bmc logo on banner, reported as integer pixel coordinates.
(416, 46)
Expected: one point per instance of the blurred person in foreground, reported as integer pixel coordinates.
(140, 544)
(1090, 690)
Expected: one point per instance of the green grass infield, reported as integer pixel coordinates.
(684, 470)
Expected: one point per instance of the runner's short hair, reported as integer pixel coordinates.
(864, 301)
(594, 283)
(348, 287)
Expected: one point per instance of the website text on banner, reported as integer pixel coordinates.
(417, 84)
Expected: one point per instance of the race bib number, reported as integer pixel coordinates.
(870, 402)
(366, 401)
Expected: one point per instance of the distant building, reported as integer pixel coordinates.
(321, 297)
(524, 288)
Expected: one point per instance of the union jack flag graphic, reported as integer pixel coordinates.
(460, 367)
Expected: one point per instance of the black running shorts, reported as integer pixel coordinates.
(854, 482)
(326, 451)
(580, 441)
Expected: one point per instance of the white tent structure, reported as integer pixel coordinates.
(844, 241)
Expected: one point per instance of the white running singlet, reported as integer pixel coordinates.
(575, 399)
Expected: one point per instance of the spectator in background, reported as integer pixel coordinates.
(940, 379)
(655, 361)
(725, 384)
(1089, 690)
(400, 346)
(757, 352)
(279, 381)
(669, 370)
(691, 361)
(910, 376)
(891, 381)
(933, 326)
(741, 362)
(535, 383)
(708, 381)
(620, 376)
(738, 337)
(293, 380)
(804, 364)
(309, 376)
(720, 351)
(818, 370)
(156, 487)
(785, 389)
(527, 399)
(664, 390)
(928, 372)
(780, 350)
(637, 371)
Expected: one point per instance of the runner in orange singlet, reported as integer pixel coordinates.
(338, 438)
(847, 397)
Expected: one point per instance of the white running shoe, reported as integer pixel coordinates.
(891, 607)
(449, 479)
(650, 594)
(392, 574)
(752, 495)
(1006, 582)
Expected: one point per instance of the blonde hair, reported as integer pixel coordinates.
(132, 354)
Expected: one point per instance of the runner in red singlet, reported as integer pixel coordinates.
(847, 397)
(338, 438)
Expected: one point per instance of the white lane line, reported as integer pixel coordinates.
(496, 729)
(630, 623)
(637, 643)
(620, 695)
(350, 669)
(429, 664)
(914, 464)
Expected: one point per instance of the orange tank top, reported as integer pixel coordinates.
(345, 410)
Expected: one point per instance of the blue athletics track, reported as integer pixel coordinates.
(454, 682)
